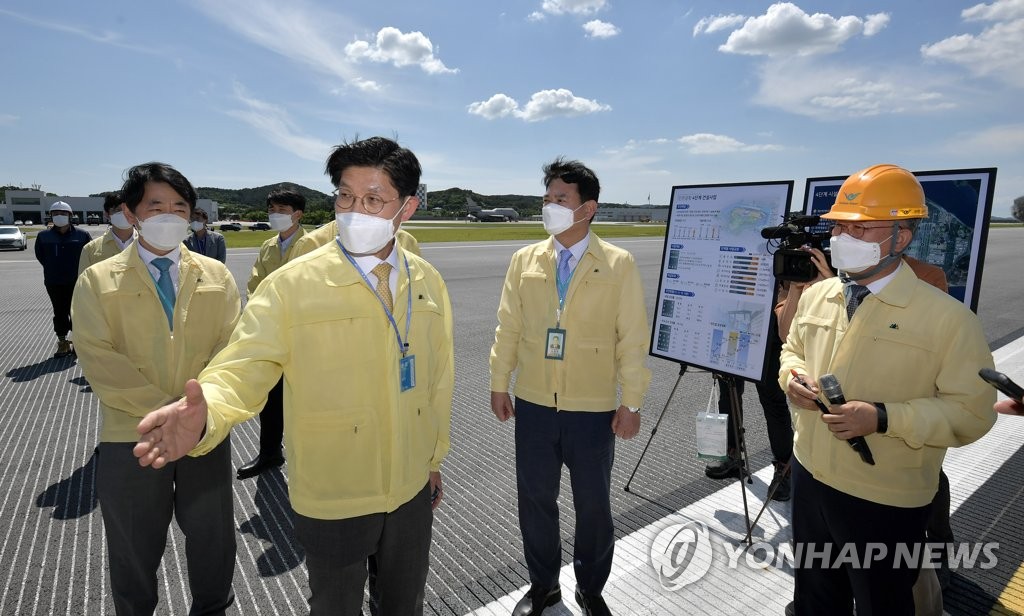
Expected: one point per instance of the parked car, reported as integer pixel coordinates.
(260, 226)
(230, 226)
(93, 219)
(12, 237)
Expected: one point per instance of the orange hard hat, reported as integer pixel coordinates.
(881, 192)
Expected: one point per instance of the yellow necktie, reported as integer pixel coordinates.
(383, 274)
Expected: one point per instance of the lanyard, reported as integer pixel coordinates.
(408, 311)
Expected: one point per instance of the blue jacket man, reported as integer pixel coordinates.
(58, 249)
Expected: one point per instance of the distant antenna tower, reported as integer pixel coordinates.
(37, 186)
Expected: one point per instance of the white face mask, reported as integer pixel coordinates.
(119, 220)
(852, 255)
(362, 234)
(61, 220)
(164, 231)
(557, 218)
(280, 222)
(197, 225)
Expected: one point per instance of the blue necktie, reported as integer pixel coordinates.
(564, 272)
(165, 287)
(855, 294)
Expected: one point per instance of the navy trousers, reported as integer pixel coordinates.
(337, 552)
(137, 505)
(272, 421)
(60, 299)
(824, 516)
(584, 442)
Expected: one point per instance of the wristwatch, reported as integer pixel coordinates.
(883, 418)
(633, 409)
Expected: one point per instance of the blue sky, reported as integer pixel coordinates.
(649, 93)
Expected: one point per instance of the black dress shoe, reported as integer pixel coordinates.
(730, 468)
(593, 605)
(259, 464)
(535, 600)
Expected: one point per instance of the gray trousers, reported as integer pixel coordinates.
(336, 553)
(137, 505)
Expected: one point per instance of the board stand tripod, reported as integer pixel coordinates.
(737, 422)
(736, 418)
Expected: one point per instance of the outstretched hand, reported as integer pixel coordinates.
(171, 431)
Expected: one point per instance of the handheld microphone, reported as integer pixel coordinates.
(830, 387)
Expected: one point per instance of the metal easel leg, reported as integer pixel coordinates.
(682, 370)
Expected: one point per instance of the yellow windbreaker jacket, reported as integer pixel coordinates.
(99, 249)
(356, 443)
(123, 341)
(911, 347)
(270, 258)
(605, 319)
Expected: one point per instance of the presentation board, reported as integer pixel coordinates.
(716, 290)
(953, 236)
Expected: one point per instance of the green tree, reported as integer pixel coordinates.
(1017, 211)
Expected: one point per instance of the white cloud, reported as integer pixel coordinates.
(400, 49)
(106, 37)
(275, 125)
(785, 29)
(536, 16)
(995, 140)
(294, 30)
(993, 53)
(498, 106)
(600, 29)
(709, 143)
(543, 105)
(873, 24)
(7, 119)
(830, 92)
(575, 7)
(707, 25)
(997, 11)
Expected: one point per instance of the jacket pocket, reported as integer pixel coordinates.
(335, 457)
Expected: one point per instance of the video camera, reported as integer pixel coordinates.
(790, 263)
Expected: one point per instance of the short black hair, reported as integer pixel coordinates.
(291, 198)
(573, 172)
(135, 183)
(201, 213)
(399, 163)
(112, 202)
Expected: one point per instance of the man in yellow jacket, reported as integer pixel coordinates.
(906, 356)
(573, 322)
(115, 239)
(151, 317)
(284, 210)
(361, 330)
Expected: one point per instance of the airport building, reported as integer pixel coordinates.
(32, 207)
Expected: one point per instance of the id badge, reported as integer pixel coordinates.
(555, 347)
(407, 372)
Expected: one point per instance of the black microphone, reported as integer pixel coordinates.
(830, 387)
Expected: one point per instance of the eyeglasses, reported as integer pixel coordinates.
(855, 230)
(372, 203)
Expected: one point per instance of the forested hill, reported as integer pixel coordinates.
(256, 198)
(448, 199)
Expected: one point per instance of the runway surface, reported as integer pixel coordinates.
(53, 549)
